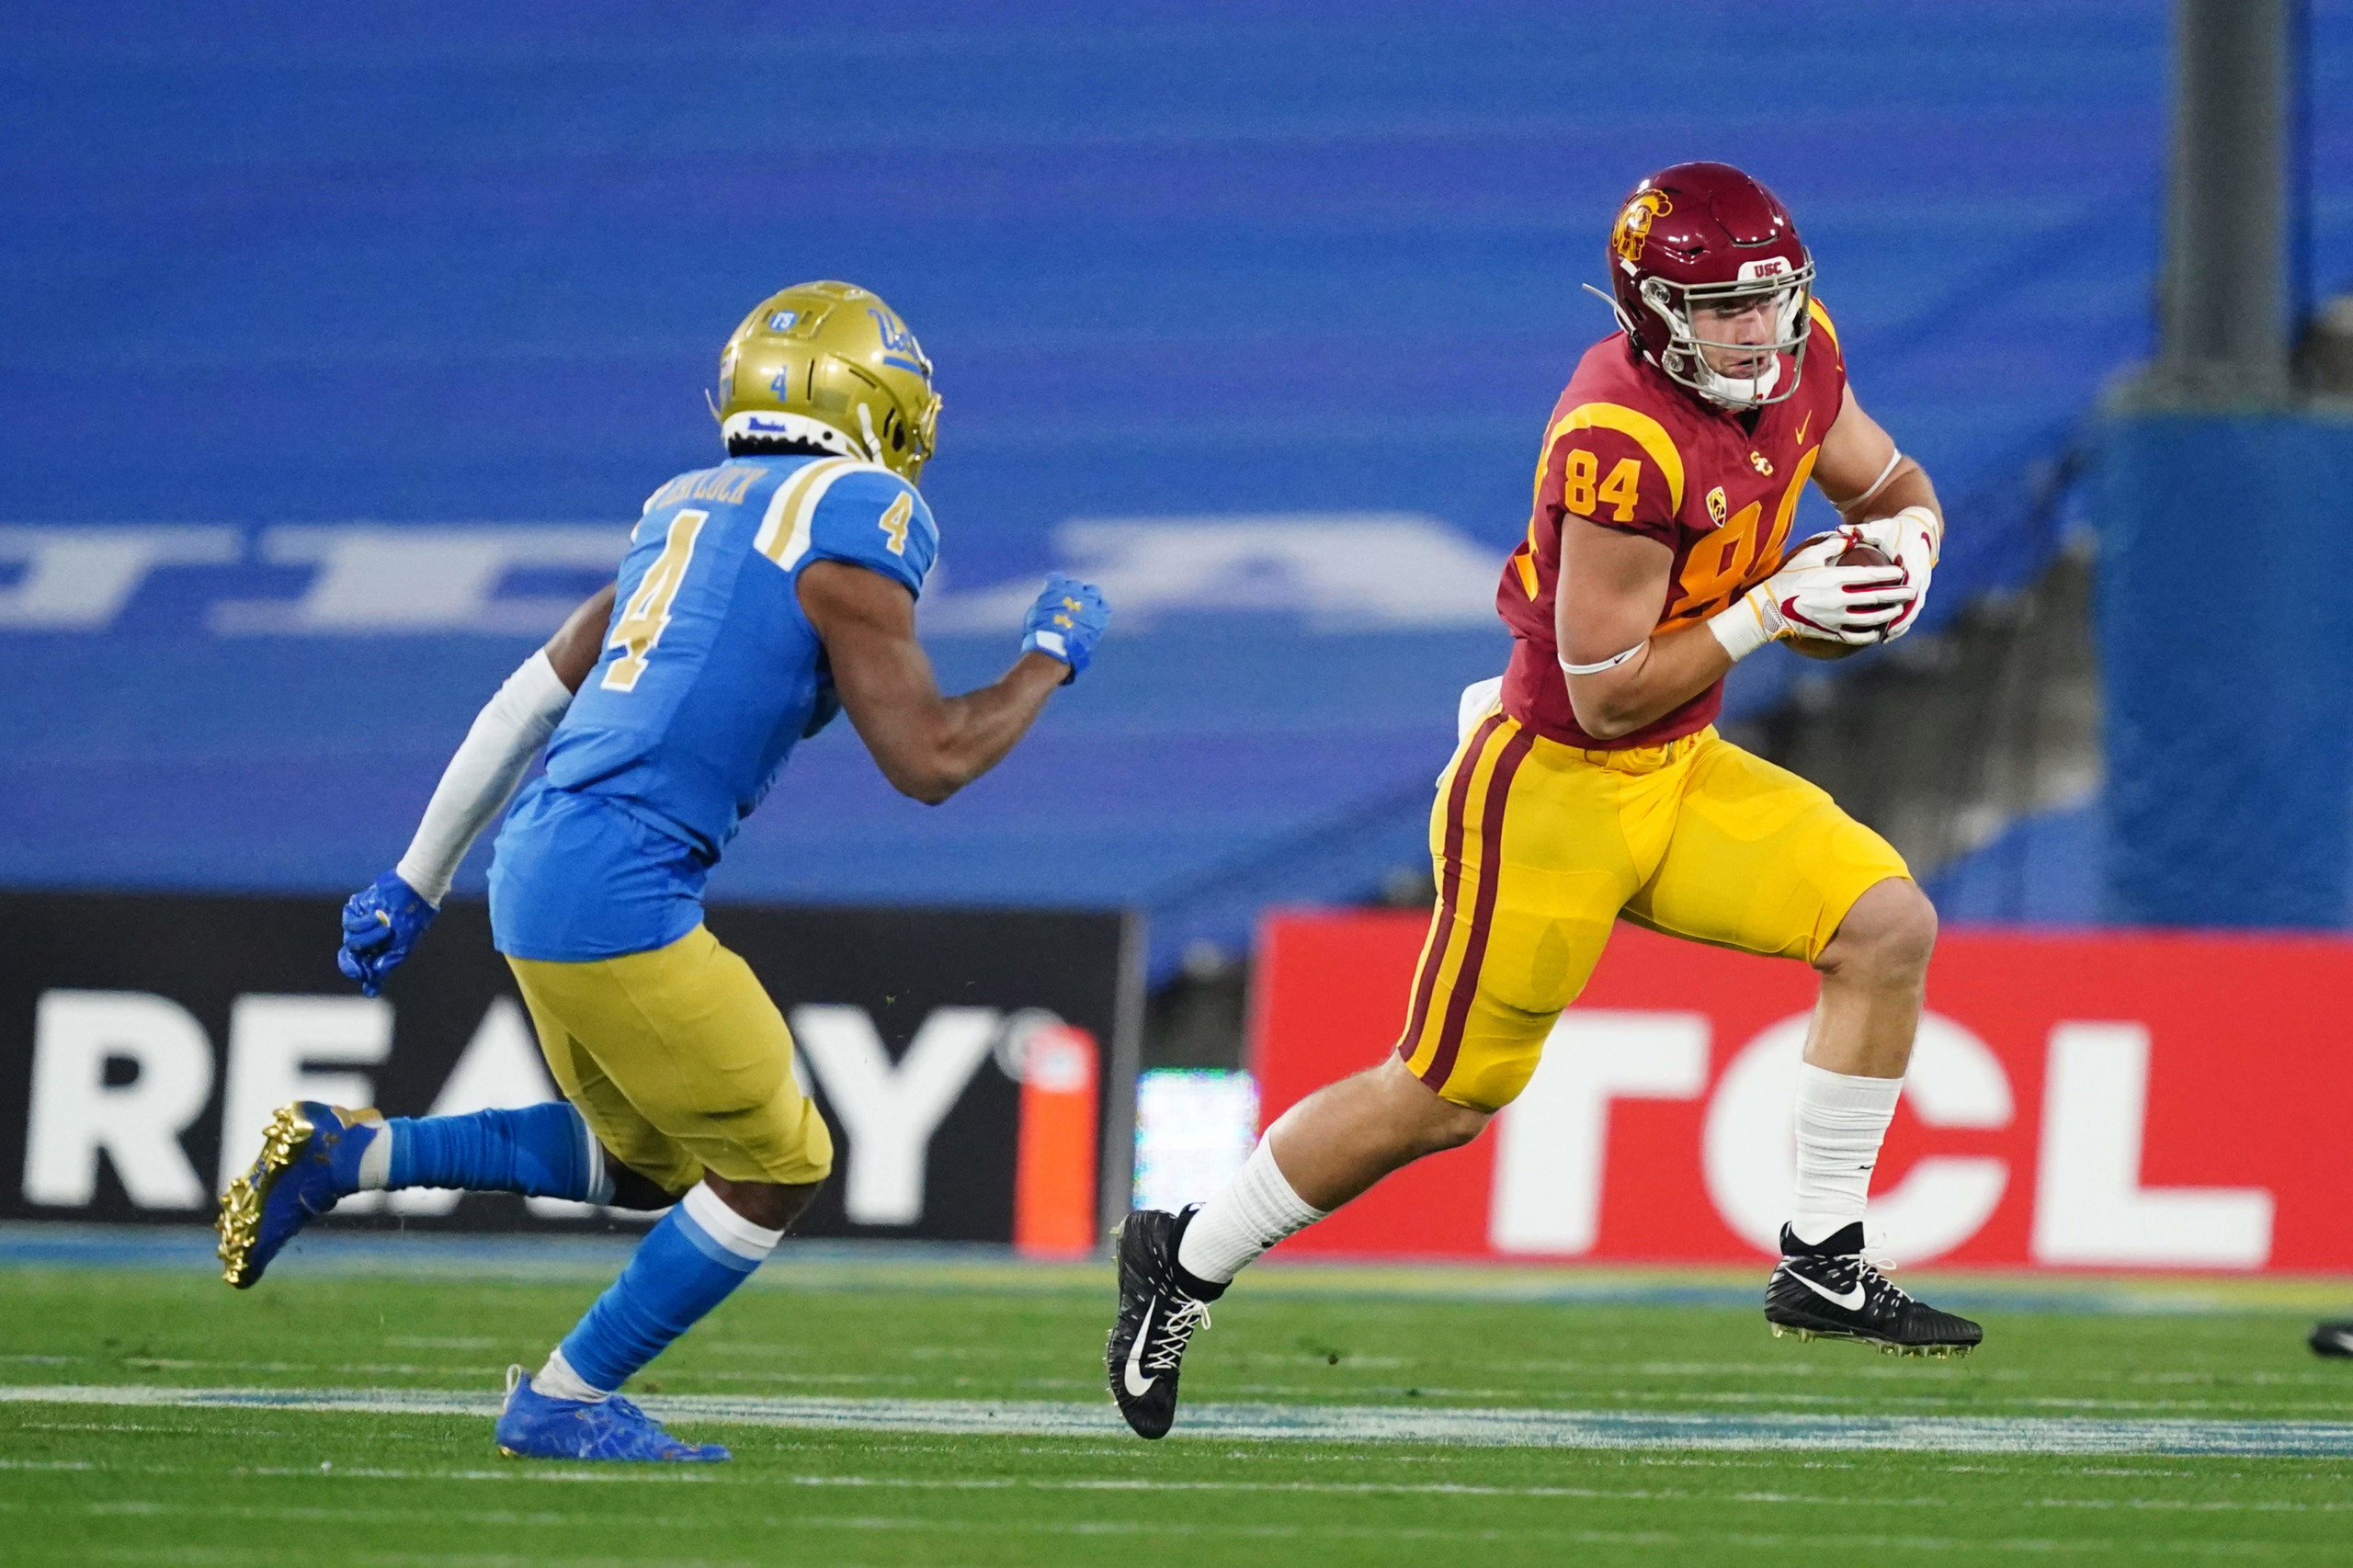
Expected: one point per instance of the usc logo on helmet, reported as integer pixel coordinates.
(1633, 231)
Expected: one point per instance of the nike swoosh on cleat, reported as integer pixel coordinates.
(1139, 1387)
(1852, 1300)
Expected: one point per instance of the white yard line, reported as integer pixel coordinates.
(1328, 1422)
(524, 1474)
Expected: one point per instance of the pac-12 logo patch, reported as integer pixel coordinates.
(1633, 230)
(1717, 505)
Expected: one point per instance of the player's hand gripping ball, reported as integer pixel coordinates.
(380, 923)
(1911, 539)
(1067, 622)
(1857, 552)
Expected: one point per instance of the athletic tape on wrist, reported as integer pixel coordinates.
(1741, 628)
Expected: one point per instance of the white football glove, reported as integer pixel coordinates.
(1912, 540)
(1809, 597)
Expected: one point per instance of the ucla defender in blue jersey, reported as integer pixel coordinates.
(759, 599)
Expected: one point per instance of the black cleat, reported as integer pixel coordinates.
(1158, 1315)
(1831, 1291)
(2332, 1338)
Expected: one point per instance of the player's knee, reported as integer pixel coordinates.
(634, 1190)
(772, 1206)
(1887, 938)
(1911, 935)
(1431, 1122)
(1450, 1126)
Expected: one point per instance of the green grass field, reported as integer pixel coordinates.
(114, 1463)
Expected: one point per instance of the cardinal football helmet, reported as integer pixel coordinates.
(1707, 235)
(829, 364)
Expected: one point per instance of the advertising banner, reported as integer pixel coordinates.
(2125, 1101)
(145, 1040)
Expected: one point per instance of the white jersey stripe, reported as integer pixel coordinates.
(775, 524)
(784, 536)
(804, 511)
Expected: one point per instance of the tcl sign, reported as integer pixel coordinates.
(2115, 1101)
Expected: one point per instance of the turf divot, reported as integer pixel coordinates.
(1469, 1428)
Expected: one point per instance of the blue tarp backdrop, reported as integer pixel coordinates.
(344, 343)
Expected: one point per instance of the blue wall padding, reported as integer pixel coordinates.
(2043, 870)
(2226, 641)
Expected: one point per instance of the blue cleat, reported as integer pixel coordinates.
(534, 1426)
(309, 1157)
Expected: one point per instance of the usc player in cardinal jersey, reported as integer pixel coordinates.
(1591, 787)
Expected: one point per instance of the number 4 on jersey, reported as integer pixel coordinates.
(894, 523)
(648, 612)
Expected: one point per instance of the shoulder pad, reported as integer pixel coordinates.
(1822, 319)
(785, 529)
(841, 510)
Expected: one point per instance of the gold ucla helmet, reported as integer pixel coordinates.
(829, 364)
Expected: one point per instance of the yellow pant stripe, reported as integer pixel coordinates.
(1476, 789)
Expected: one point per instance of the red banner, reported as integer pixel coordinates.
(2127, 1100)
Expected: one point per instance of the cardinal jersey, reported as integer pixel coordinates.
(710, 674)
(1630, 449)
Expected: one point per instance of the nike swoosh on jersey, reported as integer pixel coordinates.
(1852, 1300)
(1139, 1387)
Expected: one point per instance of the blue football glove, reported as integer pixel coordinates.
(1067, 622)
(380, 923)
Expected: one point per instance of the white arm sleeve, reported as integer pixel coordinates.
(484, 774)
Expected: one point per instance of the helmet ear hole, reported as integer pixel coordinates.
(894, 430)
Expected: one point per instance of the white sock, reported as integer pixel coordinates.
(1841, 1121)
(558, 1380)
(1233, 1228)
(376, 1159)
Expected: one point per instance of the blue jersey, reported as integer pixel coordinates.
(710, 674)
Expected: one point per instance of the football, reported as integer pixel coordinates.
(1855, 555)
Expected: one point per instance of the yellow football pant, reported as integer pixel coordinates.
(1539, 847)
(679, 1064)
